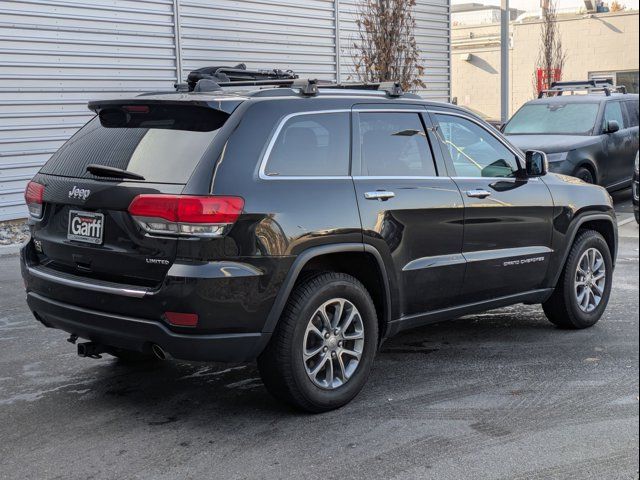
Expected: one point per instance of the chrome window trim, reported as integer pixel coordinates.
(274, 137)
(444, 177)
(411, 109)
(397, 177)
(467, 117)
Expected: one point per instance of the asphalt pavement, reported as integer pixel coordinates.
(501, 395)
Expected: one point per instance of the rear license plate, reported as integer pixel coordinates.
(86, 227)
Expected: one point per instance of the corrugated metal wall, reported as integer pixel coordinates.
(433, 36)
(55, 55)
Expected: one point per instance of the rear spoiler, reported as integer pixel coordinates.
(197, 116)
(223, 105)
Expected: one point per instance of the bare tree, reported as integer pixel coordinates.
(551, 57)
(616, 7)
(385, 48)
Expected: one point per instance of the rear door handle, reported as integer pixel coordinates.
(478, 193)
(379, 195)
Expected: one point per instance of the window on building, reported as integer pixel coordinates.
(395, 144)
(629, 79)
(312, 145)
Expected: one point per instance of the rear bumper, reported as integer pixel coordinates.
(139, 334)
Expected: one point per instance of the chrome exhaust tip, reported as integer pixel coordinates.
(158, 352)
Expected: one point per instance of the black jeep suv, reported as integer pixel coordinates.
(301, 225)
(592, 136)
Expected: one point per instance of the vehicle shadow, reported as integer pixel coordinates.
(167, 392)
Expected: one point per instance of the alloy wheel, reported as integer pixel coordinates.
(590, 280)
(333, 343)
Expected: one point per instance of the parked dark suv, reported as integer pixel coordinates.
(301, 225)
(592, 136)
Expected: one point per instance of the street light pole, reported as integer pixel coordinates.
(504, 60)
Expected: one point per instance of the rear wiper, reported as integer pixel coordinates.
(104, 171)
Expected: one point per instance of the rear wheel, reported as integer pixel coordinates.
(585, 175)
(321, 353)
(582, 293)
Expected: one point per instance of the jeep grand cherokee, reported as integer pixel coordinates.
(301, 225)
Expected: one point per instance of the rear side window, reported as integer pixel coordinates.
(613, 111)
(311, 145)
(160, 155)
(394, 144)
(632, 113)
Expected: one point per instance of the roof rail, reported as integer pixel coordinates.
(589, 86)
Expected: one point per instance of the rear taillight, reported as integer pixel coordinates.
(186, 214)
(33, 195)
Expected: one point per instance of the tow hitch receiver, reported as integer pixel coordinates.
(91, 349)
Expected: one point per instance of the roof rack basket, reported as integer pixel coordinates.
(209, 79)
(588, 86)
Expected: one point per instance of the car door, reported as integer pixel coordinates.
(619, 154)
(507, 219)
(411, 211)
(632, 120)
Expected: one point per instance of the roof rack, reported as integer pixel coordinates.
(589, 86)
(210, 79)
(239, 73)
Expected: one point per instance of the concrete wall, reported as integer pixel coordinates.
(597, 43)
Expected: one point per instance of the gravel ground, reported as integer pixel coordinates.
(500, 395)
(13, 233)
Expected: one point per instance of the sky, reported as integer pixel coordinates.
(534, 4)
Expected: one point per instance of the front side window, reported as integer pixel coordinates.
(553, 118)
(613, 111)
(474, 151)
(312, 145)
(394, 145)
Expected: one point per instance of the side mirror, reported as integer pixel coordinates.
(612, 126)
(537, 163)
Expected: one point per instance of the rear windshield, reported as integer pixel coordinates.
(554, 118)
(160, 155)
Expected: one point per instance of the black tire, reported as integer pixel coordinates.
(281, 365)
(562, 308)
(132, 357)
(585, 175)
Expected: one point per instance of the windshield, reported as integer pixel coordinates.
(554, 118)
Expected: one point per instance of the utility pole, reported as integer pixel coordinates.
(504, 60)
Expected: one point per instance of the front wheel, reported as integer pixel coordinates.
(582, 293)
(585, 175)
(320, 355)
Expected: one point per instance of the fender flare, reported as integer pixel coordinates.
(573, 231)
(304, 258)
